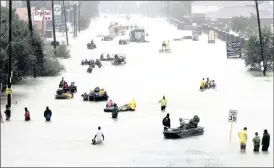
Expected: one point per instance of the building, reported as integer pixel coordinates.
(39, 26)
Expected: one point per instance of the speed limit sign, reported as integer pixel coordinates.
(232, 116)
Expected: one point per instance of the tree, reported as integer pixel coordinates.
(244, 25)
(89, 9)
(253, 55)
(27, 51)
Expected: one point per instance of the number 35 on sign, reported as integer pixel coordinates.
(232, 116)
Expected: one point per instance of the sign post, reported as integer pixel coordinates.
(57, 10)
(232, 118)
(233, 50)
(211, 36)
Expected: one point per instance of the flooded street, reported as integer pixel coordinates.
(136, 138)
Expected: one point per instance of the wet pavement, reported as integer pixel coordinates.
(135, 138)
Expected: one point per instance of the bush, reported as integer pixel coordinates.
(252, 55)
(62, 51)
(51, 67)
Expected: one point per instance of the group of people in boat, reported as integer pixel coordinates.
(91, 44)
(96, 92)
(207, 84)
(191, 124)
(65, 89)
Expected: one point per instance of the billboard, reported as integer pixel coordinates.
(42, 15)
(233, 50)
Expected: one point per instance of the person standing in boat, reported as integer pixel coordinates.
(166, 121)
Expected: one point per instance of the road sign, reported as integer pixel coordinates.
(211, 36)
(57, 9)
(232, 116)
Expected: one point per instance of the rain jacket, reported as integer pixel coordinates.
(110, 104)
(68, 95)
(27, 115)
(163, 102)
(168, 44)
(102, 92)
(47, 114)
(243, 136)
(202, 83)
(256, 141)
(132, 105)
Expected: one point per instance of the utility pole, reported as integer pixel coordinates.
(10, 36)
(53, 26)
(260, 36)
(65, 17)
(79, 28)
(74, 20)
(31, 32)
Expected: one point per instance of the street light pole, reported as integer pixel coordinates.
(260, 36)
(9, 65)
(65, 17)
(53, 26)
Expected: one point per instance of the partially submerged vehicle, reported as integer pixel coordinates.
(91, 46)
(137, 35)
(123, 41)
(119, 59)
(107, 38)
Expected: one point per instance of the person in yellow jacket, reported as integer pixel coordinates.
(168, 45)
(68, 95)
(163, 102)
(243, 138)
(102, 92)
(132, 105)
(202, 84)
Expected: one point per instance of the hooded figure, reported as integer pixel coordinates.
(47, 114)
(115, 111)
(163, 102)
(132, 105)
(243, 138)
(8, 112)
(265, 141)
(27, 114)
(166, 121)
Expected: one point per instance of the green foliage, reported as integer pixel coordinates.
(244, 25)
(253, 55)
(62, 51)
(89, 10)
(27, 51)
